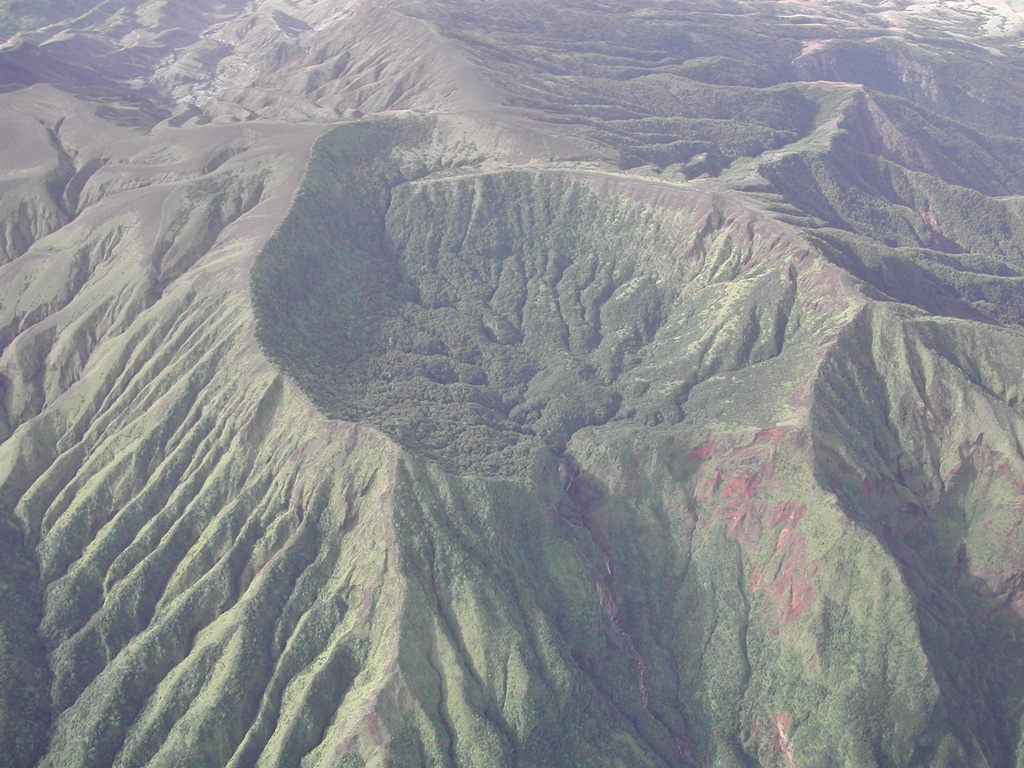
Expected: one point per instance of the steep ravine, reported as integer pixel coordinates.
(581, 493)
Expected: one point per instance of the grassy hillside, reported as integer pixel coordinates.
(586, 384)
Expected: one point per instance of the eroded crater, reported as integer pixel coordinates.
(478, 315)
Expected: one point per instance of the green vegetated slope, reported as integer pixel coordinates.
(693, 85)
(285, 409)
(764, 617)
(473, 313)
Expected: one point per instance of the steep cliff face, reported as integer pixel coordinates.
(464, 384)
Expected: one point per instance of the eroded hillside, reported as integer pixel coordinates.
(474, 384)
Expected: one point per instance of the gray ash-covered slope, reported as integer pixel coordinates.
(308, 309)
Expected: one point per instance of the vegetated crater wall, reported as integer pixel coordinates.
(479, 316)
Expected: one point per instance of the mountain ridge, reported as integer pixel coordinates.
(294, 363)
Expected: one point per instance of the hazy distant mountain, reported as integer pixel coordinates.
(483, 383)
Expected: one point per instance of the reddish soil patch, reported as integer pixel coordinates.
(373, 726)
(788, 595)
(779, 739)
(736, 482)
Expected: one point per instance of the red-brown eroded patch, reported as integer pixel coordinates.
(745, 484)
(756, 577)
(737, 483)
(373, 726)
(787, 512)
(779, 739)
(743, 526)
(1016, 481)
(791, 591)
(800, 396)
(770, 435)
(705, 451)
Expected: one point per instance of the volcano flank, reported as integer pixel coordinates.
(399, 383)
